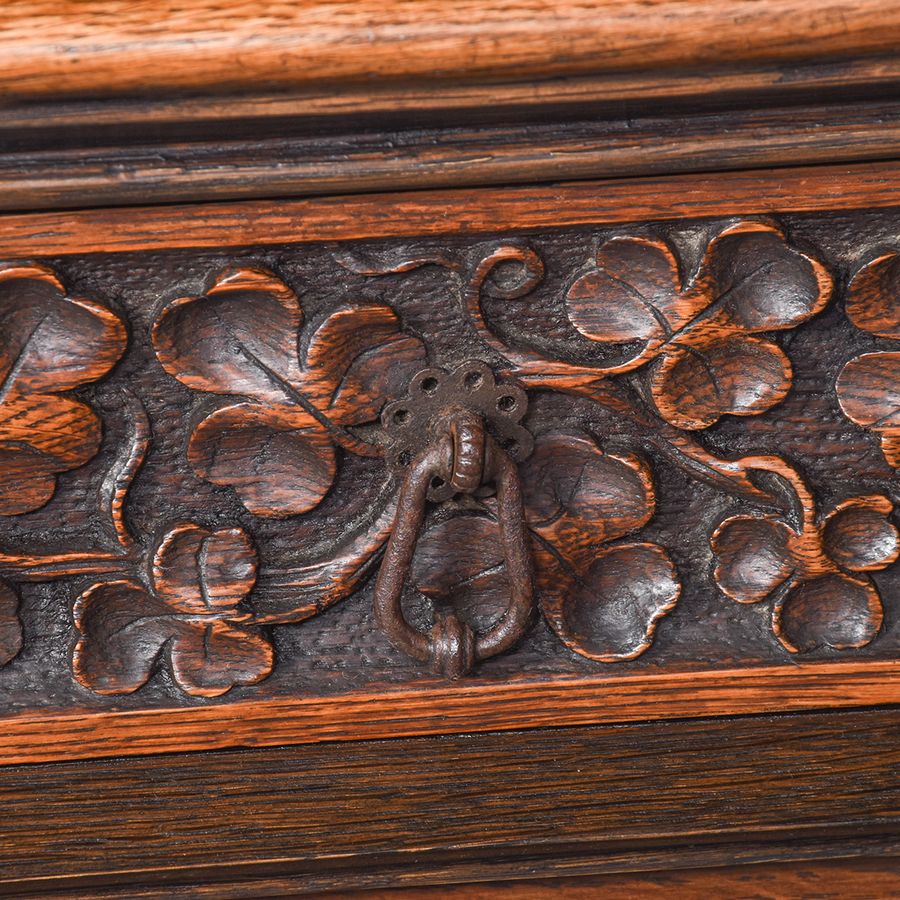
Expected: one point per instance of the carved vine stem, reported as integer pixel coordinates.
(111, 502)
(538, 371)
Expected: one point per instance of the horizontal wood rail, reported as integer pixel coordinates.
(110, 47)
(445, 212)
(448, 709)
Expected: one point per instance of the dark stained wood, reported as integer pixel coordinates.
(846, 879)
(205, 691)
(461, 808)
(112, 46)
(470, 211)
(224, 168)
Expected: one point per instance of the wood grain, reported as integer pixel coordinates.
(113, 46)
(465, 707)
(846, 879)
(641, 583)
(447, 102)
(259, 166)
(464, 211)
(462, 808)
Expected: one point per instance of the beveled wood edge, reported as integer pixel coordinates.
(866, 77)
(487, 210)
(449, 709)
(432, 159)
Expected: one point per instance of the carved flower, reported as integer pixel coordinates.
(302, 390)
(815, 573)
(49, 344)
(868, 388)
(705, 336)
(602, 597)
(192, 612)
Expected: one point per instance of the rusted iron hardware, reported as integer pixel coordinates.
(456, 433)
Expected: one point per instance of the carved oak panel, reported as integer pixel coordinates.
(201, 456)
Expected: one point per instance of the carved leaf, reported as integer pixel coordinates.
(859, 537)
(278, 458)
(356, 358)
(755, 557)
(123, 630)
(609, 613)
(831, 611)
(873, 298)
(817, 604)
(243, 337)
(49, 343)
(199, 579)
(760, 283)
(28, 480)
(701, 332)
(577, 497)
(210, 661)
(200, 571)
(10, 624)
(868, 390)
(238, 338)
(634, 294)
(603, 602)
(693, 386)
(460, 561)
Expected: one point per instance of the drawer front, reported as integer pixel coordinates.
(218, 439)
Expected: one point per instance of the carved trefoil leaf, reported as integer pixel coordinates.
(868, 387)
(602, 596)
(302, 391)
(815, 570)
(50, 343)
(194, 611)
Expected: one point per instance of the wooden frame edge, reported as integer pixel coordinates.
(487, 210)
(443, 709)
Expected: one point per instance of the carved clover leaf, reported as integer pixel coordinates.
(814, 573)
(192, 612)
(872, 299)
(10, 624)
(243, 337)
(603, 601)
(702, 336)
(49, 344)
(868, 388)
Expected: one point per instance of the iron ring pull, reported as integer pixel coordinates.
(468, 458)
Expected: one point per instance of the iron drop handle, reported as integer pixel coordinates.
(467, 458)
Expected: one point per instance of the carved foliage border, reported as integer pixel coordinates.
(672, 352)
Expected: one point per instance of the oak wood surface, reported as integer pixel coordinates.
(103, 689)
(343, 810)
(462, 211)
(272, 161)
(851, 879)
(462, 808)
(34, 123)
(446, 710)
(111, 46)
